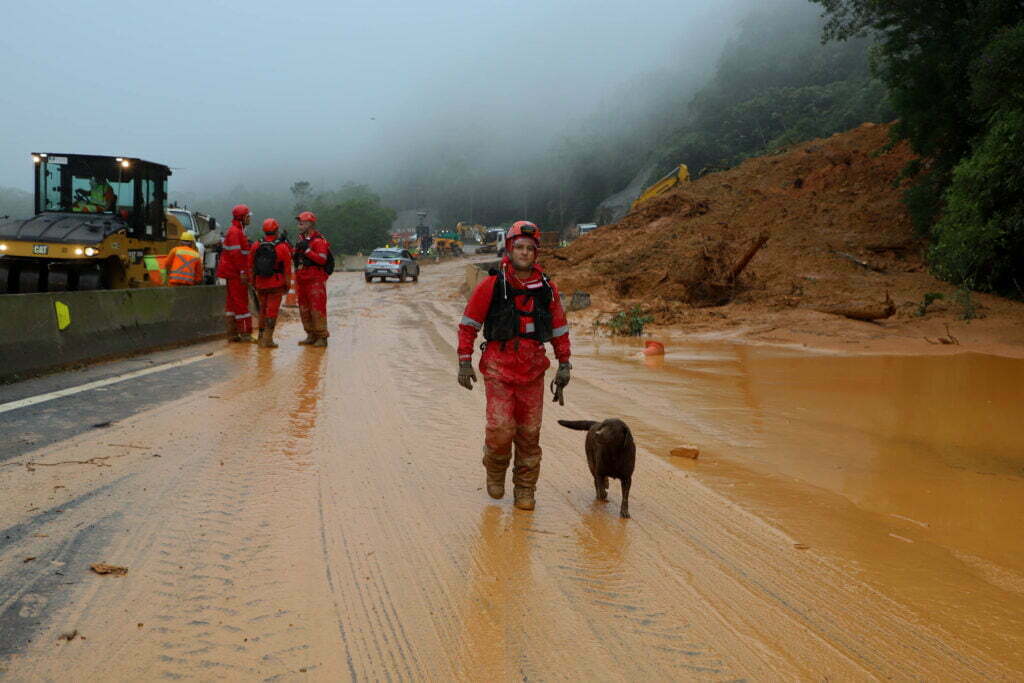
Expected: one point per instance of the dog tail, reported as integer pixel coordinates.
(582, 425)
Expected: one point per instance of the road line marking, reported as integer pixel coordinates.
(42, 398)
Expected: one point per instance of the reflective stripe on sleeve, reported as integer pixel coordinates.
(559, 331)
(317, 253)
(466, 320)
(232, 247)
(243, 316)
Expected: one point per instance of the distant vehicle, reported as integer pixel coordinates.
(385, 263)
(584, 228)
(492, 240)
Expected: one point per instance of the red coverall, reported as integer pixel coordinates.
(311, 285)
(270, 290)
(513, 374)
(234, 263)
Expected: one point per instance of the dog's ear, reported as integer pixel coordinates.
(627, 438)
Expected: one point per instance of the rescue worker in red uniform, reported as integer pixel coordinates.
(519, 311)
(184, 267)
(312, 253)
(234, 268)
(270, 262)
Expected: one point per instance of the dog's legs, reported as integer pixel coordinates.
(601, 486)
(624, 508)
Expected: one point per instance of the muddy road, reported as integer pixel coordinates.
(321, 513)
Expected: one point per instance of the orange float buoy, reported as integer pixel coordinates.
(653, 348)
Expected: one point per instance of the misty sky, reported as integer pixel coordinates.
(259, 92)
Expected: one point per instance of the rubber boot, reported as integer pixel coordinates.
(231, 325)
(523, 498)
(259, 339)
(496, 467)
(320, 325)
(267, 338)
(307, 325)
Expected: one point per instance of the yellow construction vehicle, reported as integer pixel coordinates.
(675, 177)
(96, 219)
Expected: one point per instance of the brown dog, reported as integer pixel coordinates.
(610, 453)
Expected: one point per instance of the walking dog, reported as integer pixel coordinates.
(610, 453)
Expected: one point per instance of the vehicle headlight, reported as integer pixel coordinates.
(78, 251)
(89, 251)
(3, 247)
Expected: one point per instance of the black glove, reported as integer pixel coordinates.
(299, 255)
(466, 374)
(559, 382)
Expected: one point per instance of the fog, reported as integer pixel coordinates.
(262, 94)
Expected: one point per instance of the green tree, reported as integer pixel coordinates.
(353, 218)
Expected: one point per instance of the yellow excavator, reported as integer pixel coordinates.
(96, 220)
(675, 177)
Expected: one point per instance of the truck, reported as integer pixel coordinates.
(208, 237)
(96, 220)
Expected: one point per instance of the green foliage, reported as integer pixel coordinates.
(776, 85)
(954, 77)
(353, 219)
(968, 308)
(928, 300)
(980, 237)
(627, 323)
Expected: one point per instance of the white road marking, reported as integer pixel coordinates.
(42, 398)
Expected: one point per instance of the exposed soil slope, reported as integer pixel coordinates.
(822, 203)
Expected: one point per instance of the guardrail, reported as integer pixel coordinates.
(39, 332)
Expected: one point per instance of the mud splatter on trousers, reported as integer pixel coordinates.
(514, 413)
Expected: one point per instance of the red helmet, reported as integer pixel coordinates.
(240, 212)
(306, 216)
(270, 225)
(523, 229)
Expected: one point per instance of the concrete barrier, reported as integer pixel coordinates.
(474, 273)
(102, 323)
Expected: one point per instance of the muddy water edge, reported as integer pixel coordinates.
(908, 471)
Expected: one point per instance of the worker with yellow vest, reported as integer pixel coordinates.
(184, 267)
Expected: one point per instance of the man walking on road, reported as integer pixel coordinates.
(271, 266)
(519, 310)
(184, 265)
(234, 268)
(313, 264)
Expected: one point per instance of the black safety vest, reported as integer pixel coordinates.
(502, 323)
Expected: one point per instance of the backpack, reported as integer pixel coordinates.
(329, 266)
(265, 261)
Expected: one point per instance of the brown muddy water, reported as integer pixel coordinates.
(908, 470)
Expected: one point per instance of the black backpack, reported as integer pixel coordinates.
(265, 261)
(329, 266)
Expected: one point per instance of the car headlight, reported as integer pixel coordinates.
(3, 247)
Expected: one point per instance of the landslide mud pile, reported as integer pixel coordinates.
(823, 205)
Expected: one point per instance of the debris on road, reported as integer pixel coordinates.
(801, 546)
(27, 560)
(685, 452)
(69, 636)
(112, 569)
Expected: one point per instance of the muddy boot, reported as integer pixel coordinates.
(496, 466)
(307, 325)
(259, 339)
(523, 498)
(232, 329)
(267, 334)
(320, 325)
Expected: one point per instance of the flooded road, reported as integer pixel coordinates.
(321, 513)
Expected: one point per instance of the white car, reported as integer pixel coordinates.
(396, 263)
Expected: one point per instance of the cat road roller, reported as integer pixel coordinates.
(96, 219)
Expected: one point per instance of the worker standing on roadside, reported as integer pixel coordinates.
(313, 264)
(519, 310)
(184, 265)
(234, 268)
(270, 263)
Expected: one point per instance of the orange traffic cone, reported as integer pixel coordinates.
(292, 299)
